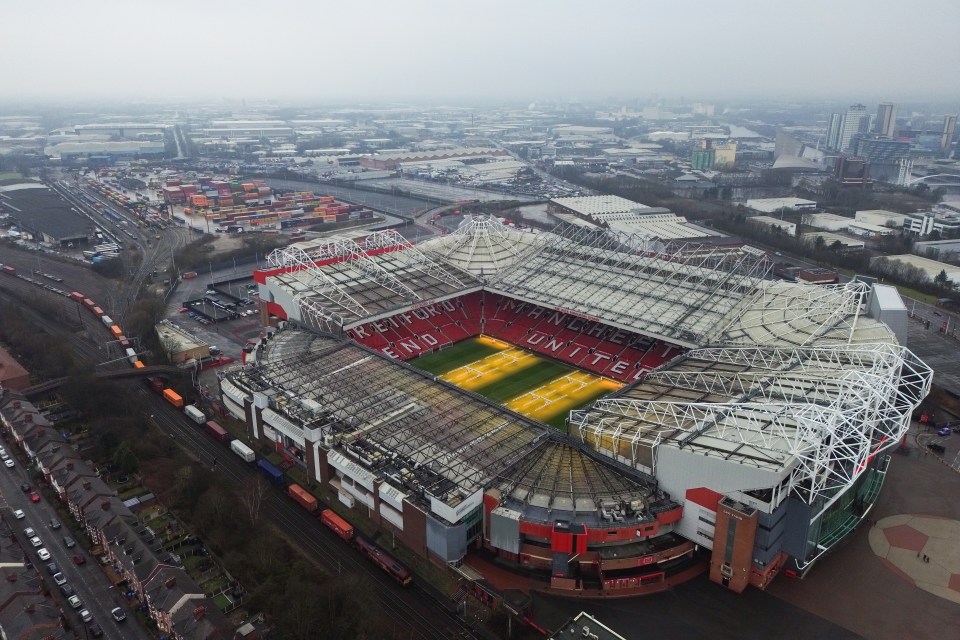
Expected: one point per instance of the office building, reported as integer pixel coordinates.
(886, 122)
(946, 138)
(856, 121)
(883, 154)
(834, 129)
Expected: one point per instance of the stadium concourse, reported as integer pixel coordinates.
(747, 428)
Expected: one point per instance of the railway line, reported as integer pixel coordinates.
(412, 607)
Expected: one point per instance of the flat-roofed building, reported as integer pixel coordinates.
(180, 345)
(787, 227)
(932, 268)
(846, 242)
(923, 223)
(770, 205)
(881, 217)
(937, 249)
(826, 221)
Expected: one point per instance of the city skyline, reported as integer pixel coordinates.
(433, 51)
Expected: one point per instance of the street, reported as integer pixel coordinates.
(88, 581)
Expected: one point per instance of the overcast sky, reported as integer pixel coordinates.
(494, 50)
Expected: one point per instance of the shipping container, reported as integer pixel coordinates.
(173, 398)
(218, 432)
(339, 526)
(97, 311)
(302, 497)
(242, 450)
(195, 414)
(131, 356)
(138, 365)
(116, 331)
(155, 384)
(273, 474)
(107, 320)
(76, 295)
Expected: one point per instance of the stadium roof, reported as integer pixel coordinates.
(425, 436)
(687, 294)
(483, 246)
(817, 412)
(339, 283)
(784, 380)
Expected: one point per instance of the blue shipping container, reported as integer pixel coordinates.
(273, 474)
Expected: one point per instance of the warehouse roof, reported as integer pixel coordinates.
(40, 210)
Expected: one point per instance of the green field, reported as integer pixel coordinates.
(530, 378)
(505, 385)
(458, 355)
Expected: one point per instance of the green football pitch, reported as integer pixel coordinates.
(503, 385)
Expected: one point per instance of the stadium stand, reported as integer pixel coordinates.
(589, 345)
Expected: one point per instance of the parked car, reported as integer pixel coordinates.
(943, 431)
(118, 614)
(79, 559)
(66, 590)
(18, 514)
(54, 524)
(75, 602)
(59, 579)
(95, 630)
(25, 487)
(52, 568)
(29, 532)
(36, 541)
(34, 497)
(43, 554)
(69, 542)
(9, 463)
(85, 615)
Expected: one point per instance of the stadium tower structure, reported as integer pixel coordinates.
(752, 434)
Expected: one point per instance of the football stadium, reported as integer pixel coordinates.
(605, 412)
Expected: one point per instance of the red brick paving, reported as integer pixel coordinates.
(906, 537)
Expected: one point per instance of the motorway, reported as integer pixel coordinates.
(88, 581)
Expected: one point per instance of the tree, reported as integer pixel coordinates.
(942, 280)
(254, 492)
(124, 458)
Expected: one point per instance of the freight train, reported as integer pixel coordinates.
(116, 332)
(304, 498)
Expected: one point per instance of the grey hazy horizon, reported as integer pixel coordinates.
(497, 50)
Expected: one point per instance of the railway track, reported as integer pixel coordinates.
(412, 607)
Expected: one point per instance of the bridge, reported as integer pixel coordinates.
(952, 176)
(117, 374)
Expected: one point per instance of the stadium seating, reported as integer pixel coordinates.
(583, 343)
(586, 344)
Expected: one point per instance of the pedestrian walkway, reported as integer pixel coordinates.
(922, 550)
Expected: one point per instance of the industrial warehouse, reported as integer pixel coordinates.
(586, 405)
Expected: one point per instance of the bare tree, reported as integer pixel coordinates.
(253, 493)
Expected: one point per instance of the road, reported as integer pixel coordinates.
(88, 581)
(412, 608)
(388, 203)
